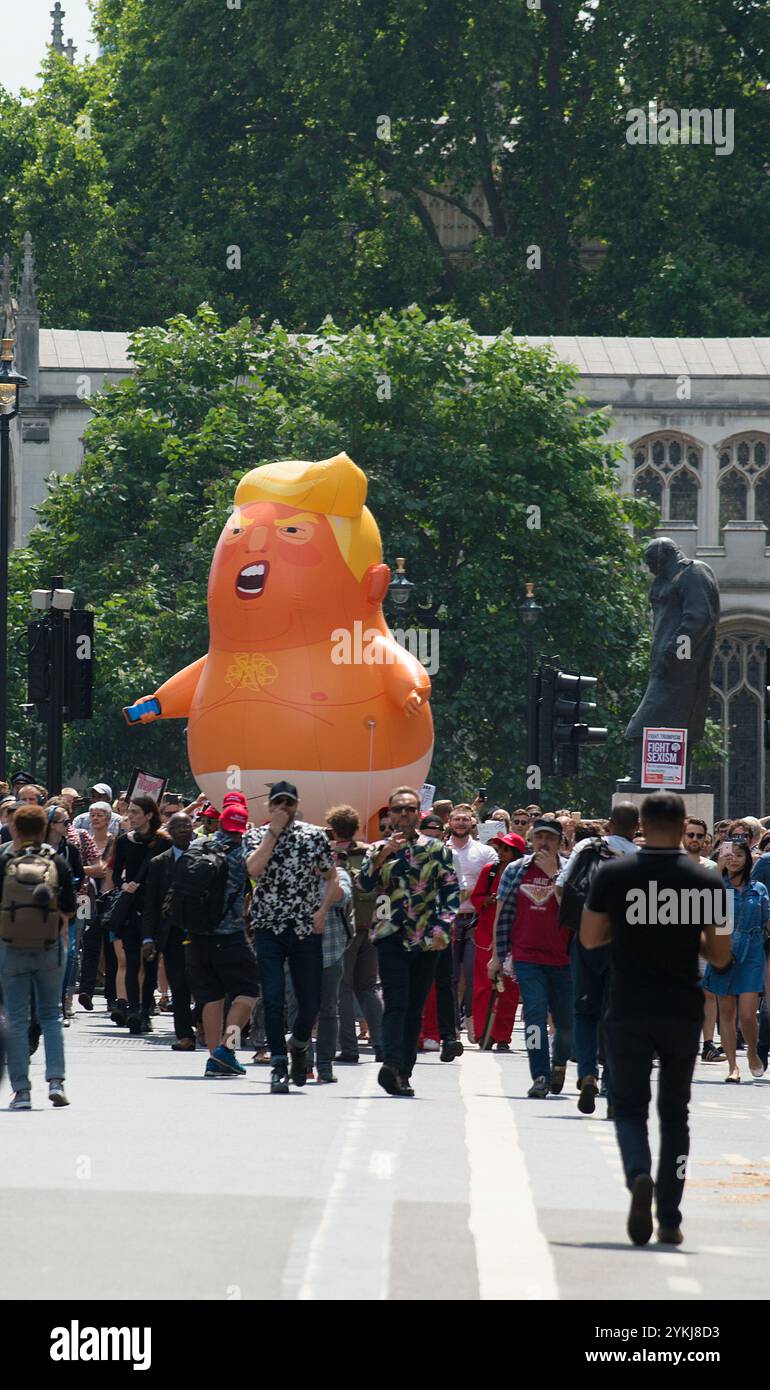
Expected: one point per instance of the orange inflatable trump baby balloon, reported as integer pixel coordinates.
(303, 679)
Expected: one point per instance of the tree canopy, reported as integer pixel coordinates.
(276, 159)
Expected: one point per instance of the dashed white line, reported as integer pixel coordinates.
(682, 1284)
(381, 1165)
(348, 1254)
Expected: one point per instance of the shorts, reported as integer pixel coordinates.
(221, 967)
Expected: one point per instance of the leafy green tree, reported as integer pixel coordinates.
(56, 184)
(277, 161)
(484, 470)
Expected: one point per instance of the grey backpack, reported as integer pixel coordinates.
(29, 908)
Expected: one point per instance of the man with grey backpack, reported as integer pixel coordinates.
(37, 900)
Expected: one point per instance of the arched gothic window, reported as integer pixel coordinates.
(741, 785)
(744, 479)
(667, 471)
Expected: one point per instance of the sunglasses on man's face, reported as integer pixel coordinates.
(404, 810)
(520, 820)
(694, 835)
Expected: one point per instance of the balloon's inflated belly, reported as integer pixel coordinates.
(259, 733)
(352, 749)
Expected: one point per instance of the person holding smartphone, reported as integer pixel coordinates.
(419, 896)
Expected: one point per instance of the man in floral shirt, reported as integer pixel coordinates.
(419, 899)
(290, 863)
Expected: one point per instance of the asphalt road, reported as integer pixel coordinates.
(155, 1183)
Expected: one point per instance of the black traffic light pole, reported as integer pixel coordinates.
(59, 620)
(533, 701)
(60, 671)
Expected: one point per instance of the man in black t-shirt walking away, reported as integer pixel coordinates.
(658, 910)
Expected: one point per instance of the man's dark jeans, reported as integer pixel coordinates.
(447, 1012)
(359, 981)
(631, 1043)
(463, 961)
(406, 978)
(305, 958)
(175, 960)
(590, 996)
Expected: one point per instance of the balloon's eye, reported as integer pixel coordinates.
(299, 531)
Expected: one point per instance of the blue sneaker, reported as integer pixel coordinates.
(227, 1060)
(215, 1072)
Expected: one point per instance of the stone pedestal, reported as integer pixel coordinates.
(699, 800)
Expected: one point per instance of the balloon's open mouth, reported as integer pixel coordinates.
(251, 580)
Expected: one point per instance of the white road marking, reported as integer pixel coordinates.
(381, 1164)
(681, 1284)
(736, 1159)
(348, 1254)
(514, 1260)
(670, 1258)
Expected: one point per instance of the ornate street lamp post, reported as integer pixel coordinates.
(10, 386)
(401, 589)
(531, 614)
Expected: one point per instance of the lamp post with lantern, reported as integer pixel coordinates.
(531, 614)
(401, 589)
(11, 383)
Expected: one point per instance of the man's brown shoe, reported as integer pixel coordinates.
(589, 1089)
(670, 1235)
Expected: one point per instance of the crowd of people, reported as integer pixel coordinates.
(308, 944)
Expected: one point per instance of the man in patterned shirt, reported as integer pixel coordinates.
(288, 861)
(419, 899)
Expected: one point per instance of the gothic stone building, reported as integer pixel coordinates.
(693, 416)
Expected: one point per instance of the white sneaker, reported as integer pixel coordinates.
(430, 1045)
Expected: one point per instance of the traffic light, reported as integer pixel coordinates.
(79, 666)
(767, 700)
(38, 664)
(78, 657)
(562, 726)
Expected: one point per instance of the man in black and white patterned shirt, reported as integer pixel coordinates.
(295, 884)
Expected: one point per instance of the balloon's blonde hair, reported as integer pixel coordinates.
(336, 488)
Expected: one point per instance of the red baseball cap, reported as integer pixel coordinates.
(234, 818)
(514, 841)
